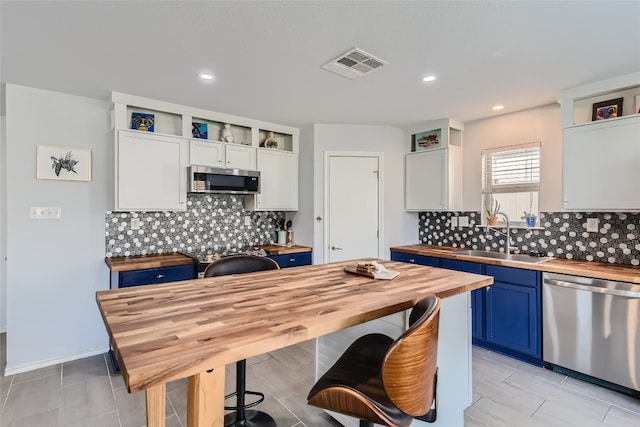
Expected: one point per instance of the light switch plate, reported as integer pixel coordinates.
(592, 225)
(36, 212)
(463, 221)
(454, 221)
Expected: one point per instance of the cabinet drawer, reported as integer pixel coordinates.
(466, 266)
(157, 275)
(513, 275)
(415, 259)
(292, 260)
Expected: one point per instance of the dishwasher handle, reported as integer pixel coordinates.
(593, 288)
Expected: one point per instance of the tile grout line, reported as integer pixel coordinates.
(113, 395)
(287, 408)
(60, 396)
(536, 410)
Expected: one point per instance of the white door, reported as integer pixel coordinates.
(353, 206)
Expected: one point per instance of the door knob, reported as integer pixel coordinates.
(335, 248)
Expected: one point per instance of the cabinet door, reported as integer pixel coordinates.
(206, 153)
(151, 172)
(512, 318)
(425, 180)
(278, 181)
(240, 157)
(513, 312)
(415, 259)
(601, 165)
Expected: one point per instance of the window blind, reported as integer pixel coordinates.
(512, 169)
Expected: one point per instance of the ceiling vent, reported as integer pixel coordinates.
(354, 63)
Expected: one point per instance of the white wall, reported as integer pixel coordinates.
(400, 227)
(3, 227)
(55, 267)
(304, 218)
(536, 124)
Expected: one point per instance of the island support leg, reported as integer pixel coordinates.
(155, 399)
(205, 399)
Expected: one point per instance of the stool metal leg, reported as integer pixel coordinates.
(241, 417)
(365, 423)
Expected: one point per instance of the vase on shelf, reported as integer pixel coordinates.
(493, 220)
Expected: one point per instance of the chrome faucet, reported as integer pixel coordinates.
(507, 248)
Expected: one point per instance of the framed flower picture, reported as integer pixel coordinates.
(61, 163)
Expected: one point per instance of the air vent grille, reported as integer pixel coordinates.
(354, 63)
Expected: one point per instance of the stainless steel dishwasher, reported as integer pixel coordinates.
(592, 327)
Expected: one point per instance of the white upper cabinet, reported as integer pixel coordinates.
(278, 182)
(240, 157)
(155, 141)
(601, 158)
(150, 172)
(433, 170)
(207, 153)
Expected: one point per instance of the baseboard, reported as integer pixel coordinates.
(13, 370)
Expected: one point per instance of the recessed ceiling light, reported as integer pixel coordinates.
(429, 78)
(206, 76)
(498, 107)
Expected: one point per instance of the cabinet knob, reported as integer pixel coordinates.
(488, 288)
(412, 260)
(159, 276)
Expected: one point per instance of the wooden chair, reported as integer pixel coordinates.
(379, 380)
(238, 264)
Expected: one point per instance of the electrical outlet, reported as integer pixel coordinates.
(463, 221)
(135, 223)
(454, 221)
(247, 220)
(45, 213)
(592, 225)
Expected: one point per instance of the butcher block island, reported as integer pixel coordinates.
(192, 329)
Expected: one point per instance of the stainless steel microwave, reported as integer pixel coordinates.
(205, 179)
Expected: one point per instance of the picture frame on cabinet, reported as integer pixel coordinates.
(426, 140)
(607, 109)
(143, 121)
(62, 163)
(199, 130)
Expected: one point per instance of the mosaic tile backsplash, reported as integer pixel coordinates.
(211, 224)
(560, 234)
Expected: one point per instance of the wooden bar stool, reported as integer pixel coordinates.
(379, 380)
(238, 264)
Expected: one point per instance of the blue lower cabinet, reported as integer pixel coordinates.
(512, 311)
(477, 296)
(415, 259)
(292, 260)
(150, 276)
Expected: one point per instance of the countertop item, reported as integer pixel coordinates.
(139, 262)
(598, 270)
(161, 333)
(280, 249)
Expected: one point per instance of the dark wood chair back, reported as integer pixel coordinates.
(238, 264)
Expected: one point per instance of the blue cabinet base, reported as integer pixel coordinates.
(534, 360)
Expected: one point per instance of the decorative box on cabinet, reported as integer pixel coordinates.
(433, 177)
(150, 172)
(601, 159)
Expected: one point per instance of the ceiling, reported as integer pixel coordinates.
(267, 56)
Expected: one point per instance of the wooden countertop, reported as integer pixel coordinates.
(598, 270)
(175, 330)
(280, 250)
(139, 262)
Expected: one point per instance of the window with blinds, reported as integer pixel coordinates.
(514, 169)
(511, 181)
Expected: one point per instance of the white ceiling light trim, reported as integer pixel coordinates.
(206, 76)
(429, 78)
(354, 63)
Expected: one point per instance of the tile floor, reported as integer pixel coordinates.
(86, 393)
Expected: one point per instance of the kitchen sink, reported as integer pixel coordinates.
(508, 257)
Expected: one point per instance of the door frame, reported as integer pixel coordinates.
(327, 225)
